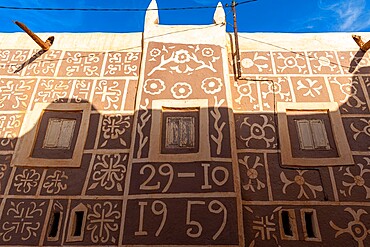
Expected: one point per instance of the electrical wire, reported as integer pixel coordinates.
(119, 9)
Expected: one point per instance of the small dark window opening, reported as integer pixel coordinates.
(54, 225)
(286, 223)
(79, 216)
(308, 217)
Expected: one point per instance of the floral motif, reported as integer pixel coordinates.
(27, 180)
(102, 221)
(185, 60)
(24, 221)
(207, 52)
(356, 228)
(264, 132)
(52, 90)
(155, 52)
(181, 90)
(252, 173)
(301, 182)
(258, 60)
(358, 179)
(244, 90)
(365, 130)
(211, 85)
(109, 171)
(276, 88)
(113, 127)
(181, 56)
(309, 86)
(293, 61)
(349, 92)
(154, 86)
(55, 182)
(320, 60)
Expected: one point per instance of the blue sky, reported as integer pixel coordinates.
(261, 16)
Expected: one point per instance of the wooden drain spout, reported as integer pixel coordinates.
(44, 45)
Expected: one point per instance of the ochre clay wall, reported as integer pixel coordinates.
(170, 148)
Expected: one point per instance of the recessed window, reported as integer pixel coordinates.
(312, 134)
(76, 227)
(59, 133)
(53, 135)
(310, 225)
(54, 226)
(180, 128)
(288, 224)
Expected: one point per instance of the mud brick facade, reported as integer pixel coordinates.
(150, 139)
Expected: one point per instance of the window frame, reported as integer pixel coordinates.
(30, 131)
(344, 152)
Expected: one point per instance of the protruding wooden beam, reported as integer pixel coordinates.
(44, 45)
(363, 46)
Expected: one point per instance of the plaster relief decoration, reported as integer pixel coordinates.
(46, 66)
(211, 85)
(109, 172)
(11, 59)
(109, 93)
(355, 178)
(310, 87)
(181, 90)
(81, 64)
(3, 168)
(347, 90)
(113, 128)
(245, 90)
(252, 167)
(15, 93)
(302, 183)
(356, 228)
(9, 130)
(265, 227)
(26, 181)
(218, 125)
(360, 129)
(353, 62)
(81, 90)
(254, 133)
(56, 182)
(103, 221)
(291, 63)
(122, 63)
(52, 90)
(323, 62)
(276, 90)
(259, 62)
(154, 86)
(187, 60)
(144, 118)
(23, 221)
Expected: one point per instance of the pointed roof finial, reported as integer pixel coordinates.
(151, 15)
(219, 15)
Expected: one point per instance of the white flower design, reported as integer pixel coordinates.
(155, 52)
(154, 86)
(181, 56)
(207, 52)
(211, 85)
(181, 90)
